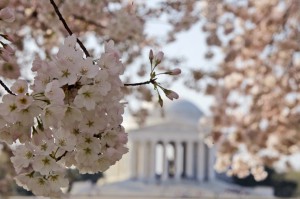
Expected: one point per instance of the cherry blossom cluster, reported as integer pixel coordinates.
(70, 116)
(8, 65)
(125, 26)
(240, 165)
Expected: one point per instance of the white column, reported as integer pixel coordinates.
(134, 160)
(178, 160)
(165, 173)
(146, 160)
(189, 159)
(200, 161)
(152, 160)
(211, 158)
(141, 162)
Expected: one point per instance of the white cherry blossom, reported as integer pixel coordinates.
(64, 139)
(23, 157)
(9, 108)
(87, 97)
(45, 164)
(72, 115)
(23, 101)
(102, 83)
(52, 115)
(54, 93)
(66, 71)
(20, 87)
(87, 68)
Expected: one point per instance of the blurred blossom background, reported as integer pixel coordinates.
(235, 129)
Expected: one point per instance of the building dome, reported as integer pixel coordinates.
(183, 110)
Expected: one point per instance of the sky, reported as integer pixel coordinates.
(191, 46)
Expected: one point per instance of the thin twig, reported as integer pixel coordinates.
(67, 27)
(151, 81)
(60, 157)
(81, 18)
(6, 88)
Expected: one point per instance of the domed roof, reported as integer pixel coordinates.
(183, 110)
(176, 119)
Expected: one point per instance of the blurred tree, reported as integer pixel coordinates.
(256, 87)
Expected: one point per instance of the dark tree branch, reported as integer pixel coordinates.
(6, 88)
(67, 27)
(151, 81)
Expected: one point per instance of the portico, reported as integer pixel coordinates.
(169, 159)
(172, 150)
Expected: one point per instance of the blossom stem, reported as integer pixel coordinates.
(60, 157)
(56, 151)
(67, 27)
(151, 81)
(6, 88)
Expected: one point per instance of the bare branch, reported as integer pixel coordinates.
(81, 18)
(6, 88)
(67, 27)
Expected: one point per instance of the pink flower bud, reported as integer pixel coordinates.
(5, 55)
(151, 56)
(175, 71)
(7, 15)
(9, 49)
(8, 37)
(171, 94)
(159, 56)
